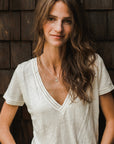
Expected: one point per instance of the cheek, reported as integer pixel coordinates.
(68, 30)
(47, 27)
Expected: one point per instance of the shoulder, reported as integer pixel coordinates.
(25, 68)
(99, 65)
(98, 58)
(98, 61)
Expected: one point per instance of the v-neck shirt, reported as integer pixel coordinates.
(49, 98)
(70, 123)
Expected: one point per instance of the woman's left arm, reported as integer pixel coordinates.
(107, 106)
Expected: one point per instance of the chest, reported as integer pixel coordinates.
(55, 89)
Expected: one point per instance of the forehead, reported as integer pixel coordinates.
(60, 9)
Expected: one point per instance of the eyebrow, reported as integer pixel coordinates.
(63, 18)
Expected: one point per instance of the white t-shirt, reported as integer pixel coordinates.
(69, 123)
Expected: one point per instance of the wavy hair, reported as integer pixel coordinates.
(79, 56)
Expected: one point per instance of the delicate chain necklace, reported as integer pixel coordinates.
(56, 77)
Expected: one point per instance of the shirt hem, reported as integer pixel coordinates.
(106, 90)
(12, 102)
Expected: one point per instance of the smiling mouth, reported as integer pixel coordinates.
(57, 36)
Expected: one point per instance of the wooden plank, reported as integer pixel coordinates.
(98, 4)
(113, 4)
(26, 25)
(5, 76)
(20, 51)
(111, 25)
(4, 55)
(9, 26)
(22, 4)
(106, 50)
(3, 4)
(97, 22)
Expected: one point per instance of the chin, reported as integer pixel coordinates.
(59, 44)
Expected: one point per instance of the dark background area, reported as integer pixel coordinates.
(16, 44)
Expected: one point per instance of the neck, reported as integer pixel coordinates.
(52, 56)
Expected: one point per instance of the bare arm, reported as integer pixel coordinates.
(107, 105)
(6, 117)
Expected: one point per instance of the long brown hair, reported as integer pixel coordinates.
(79, 56)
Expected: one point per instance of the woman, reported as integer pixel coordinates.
(62, 85)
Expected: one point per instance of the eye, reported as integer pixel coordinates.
(50, 19)
(67, 21)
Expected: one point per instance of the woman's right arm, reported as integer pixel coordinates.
(6, 117)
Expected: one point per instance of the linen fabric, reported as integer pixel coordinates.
(69, 123)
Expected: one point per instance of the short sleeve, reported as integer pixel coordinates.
(13, 94)
(104, 80)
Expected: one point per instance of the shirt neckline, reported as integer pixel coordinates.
(47, 95)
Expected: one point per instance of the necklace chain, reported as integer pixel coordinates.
(56, 77)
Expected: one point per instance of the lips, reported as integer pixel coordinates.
(57, 36)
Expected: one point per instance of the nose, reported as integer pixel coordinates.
(59, 26)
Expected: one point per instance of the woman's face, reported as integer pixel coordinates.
(58, 25)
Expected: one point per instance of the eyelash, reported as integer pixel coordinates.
(67, 21)
(50, 19)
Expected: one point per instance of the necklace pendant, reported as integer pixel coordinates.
(56, 79)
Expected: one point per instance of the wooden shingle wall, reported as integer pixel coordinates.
(16, 18)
